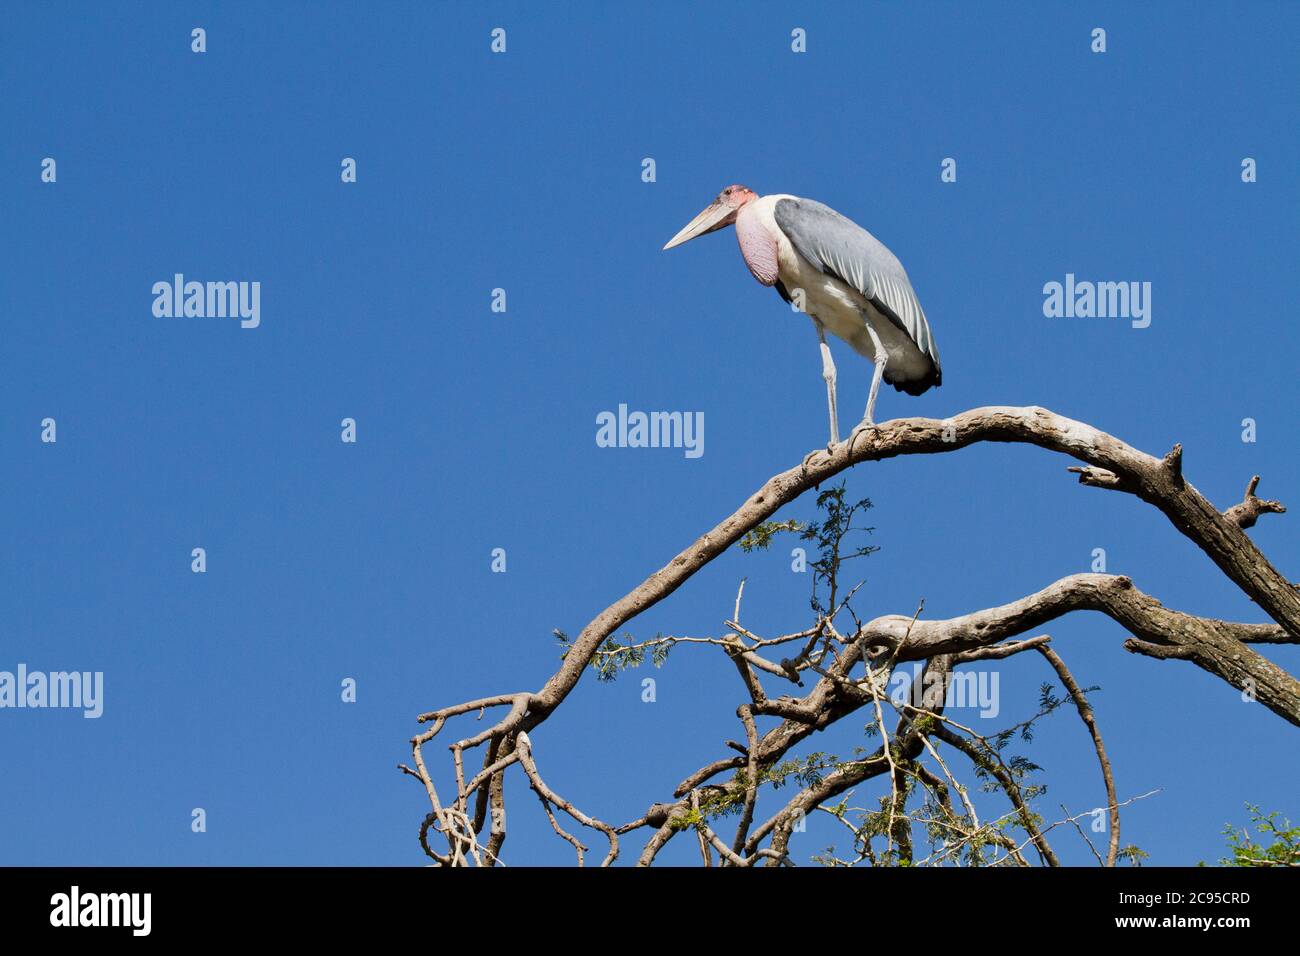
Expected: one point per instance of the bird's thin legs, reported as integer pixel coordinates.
(881, 357)
(828, 373)
(868, 421)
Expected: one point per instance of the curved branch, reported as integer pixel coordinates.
(1090, 721)
(1215, 646)
(548, 796)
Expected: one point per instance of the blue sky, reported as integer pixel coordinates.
(476, 430)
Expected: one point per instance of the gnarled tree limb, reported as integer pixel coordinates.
(1215, 646)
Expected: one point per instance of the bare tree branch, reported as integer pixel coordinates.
(1090, 721)
(1215, 646)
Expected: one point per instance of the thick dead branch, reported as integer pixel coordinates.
(1215, 646)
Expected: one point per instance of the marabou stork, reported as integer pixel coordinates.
(844, 279)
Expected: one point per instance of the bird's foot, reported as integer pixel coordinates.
(830, 451)
(813, 454)
(863, 427)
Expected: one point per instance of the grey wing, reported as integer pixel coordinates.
(840, 247)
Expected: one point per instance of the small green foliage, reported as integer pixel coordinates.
(759, 538)
(807, 771)
(829, 536)
(615, 656)
(923, 725)
(690, 818)
(1283, 851)
(1132, 854)
(719, 804)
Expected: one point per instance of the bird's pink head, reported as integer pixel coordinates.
(736, 196)
(719, 213)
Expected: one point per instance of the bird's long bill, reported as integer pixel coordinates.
(713, 217)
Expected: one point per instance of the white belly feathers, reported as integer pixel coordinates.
(842, 309)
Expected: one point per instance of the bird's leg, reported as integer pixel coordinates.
(881, 356)
(828, 373)
(880, 359)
